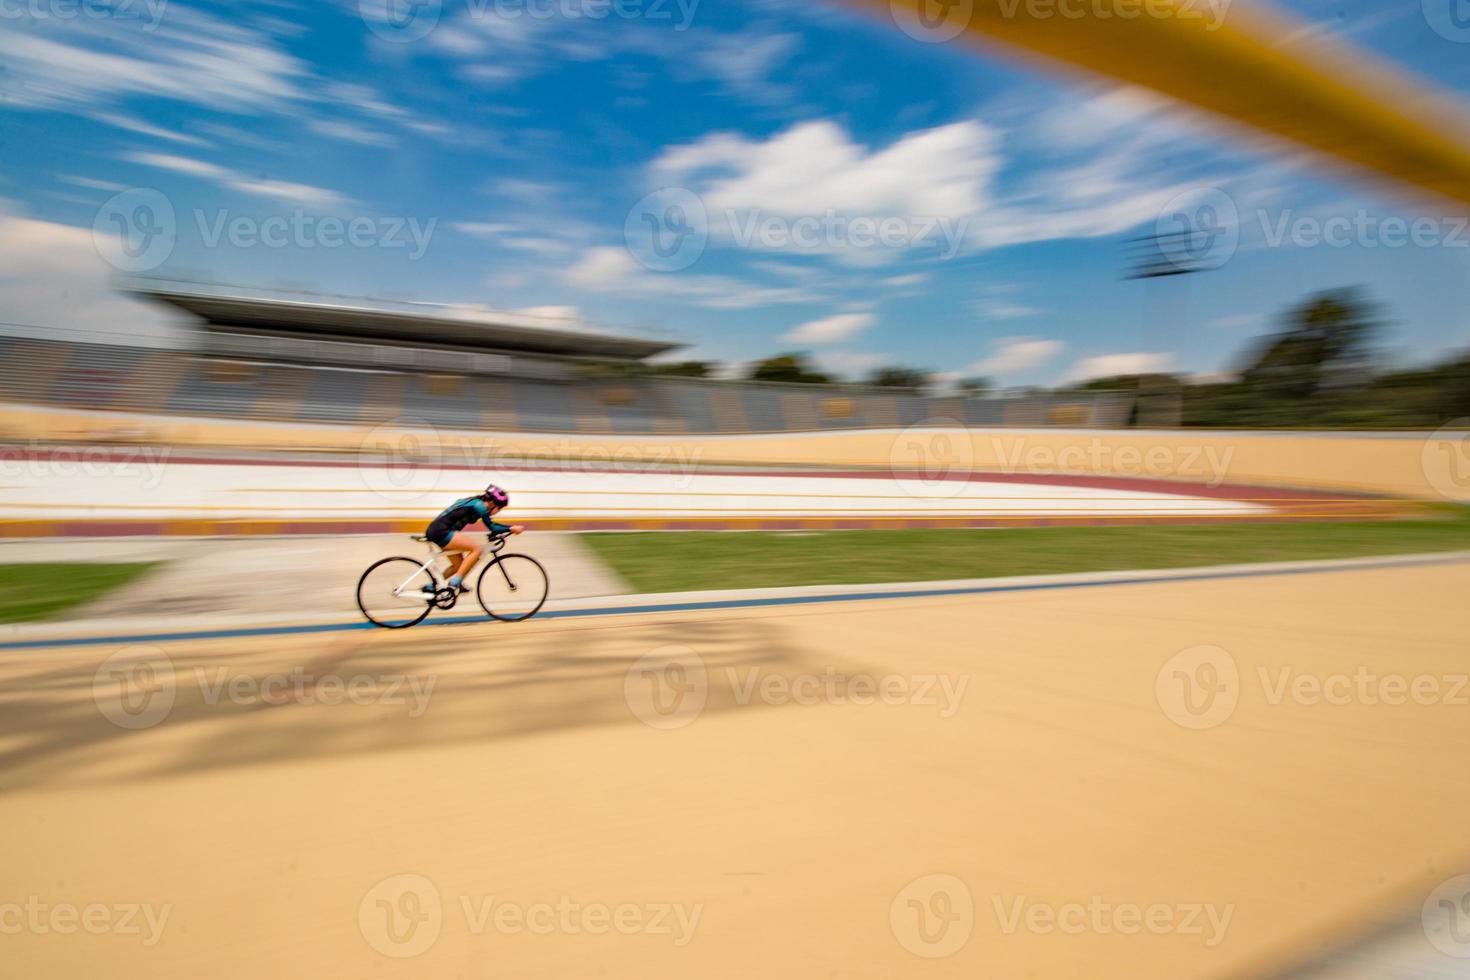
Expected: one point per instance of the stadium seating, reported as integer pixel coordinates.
(115, 377)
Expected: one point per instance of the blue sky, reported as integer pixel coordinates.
(505, 158)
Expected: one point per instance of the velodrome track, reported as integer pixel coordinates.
(1037, 749)
(107, 491)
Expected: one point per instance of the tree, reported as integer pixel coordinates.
(681, 369)
(1130, 382)
(790, 368)
(1325, 344)
(975, 387)
(898, 377)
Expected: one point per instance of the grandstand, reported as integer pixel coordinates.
(293, 360)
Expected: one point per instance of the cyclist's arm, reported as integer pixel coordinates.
(494, 527)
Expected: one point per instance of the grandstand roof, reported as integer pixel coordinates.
(412, 323)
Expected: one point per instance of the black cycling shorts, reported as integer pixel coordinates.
(439, 533)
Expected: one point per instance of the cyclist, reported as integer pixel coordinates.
(446, 530)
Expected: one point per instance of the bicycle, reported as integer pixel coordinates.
(391, 593)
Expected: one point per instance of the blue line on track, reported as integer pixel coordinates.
(699, 606)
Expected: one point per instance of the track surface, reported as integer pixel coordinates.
(1028, 750)
(146, 492)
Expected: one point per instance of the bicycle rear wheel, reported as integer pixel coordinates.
(512, 587)
(390, 593)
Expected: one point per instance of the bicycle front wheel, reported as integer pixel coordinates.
(512, 588)
(390, 593)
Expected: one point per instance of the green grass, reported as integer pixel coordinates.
(690, 561)
(29, 593)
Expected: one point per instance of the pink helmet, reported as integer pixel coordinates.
(496, 496)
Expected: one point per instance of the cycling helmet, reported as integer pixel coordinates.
(496, 496)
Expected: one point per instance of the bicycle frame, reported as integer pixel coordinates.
(497, 543)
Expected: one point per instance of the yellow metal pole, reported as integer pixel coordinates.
(1237, 63)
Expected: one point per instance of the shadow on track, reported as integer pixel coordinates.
(144, 712)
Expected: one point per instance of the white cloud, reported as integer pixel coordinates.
(610, 269)
(304, 195)
(134, 125)
(1094, 167)
(187, 166)
(812, 189)
(92, 183)
(994, 308)
(351, 132)
(602, 269)
(1098, 164)
(191, 57)
(52, 277)
(908, 279)
(89, 66)
(567, 314)
(1214, 377)
(1109, 365)
(1014, 355)
(537, 245)
(516, 237)
(815, 167)
(484, 229)
(830, 329)
(851, 363)
(744, 62)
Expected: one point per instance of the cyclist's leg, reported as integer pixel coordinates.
(468, 549)
(443, 563)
